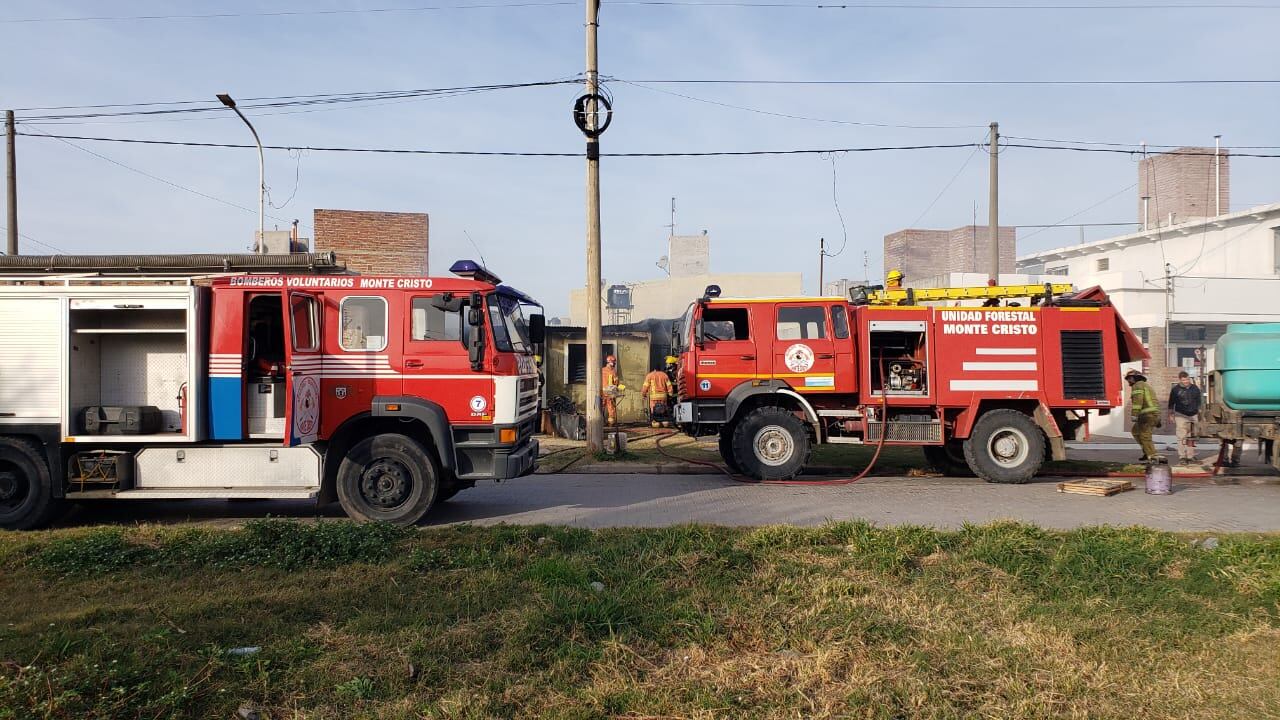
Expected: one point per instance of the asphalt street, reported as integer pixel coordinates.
(597, 501)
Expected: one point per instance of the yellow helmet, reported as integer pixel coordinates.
(895, 275)
(672, 359)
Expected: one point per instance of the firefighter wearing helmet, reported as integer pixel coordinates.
(657, 390)
(1145, 412)
(610, 386)
(894, 279)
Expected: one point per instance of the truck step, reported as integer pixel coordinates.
(205, 493)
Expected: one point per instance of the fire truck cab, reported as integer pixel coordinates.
(387, 394)
(988, 390)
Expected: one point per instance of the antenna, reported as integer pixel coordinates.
(672, 226)
(477, 247)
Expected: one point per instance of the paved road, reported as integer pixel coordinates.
(658, 500)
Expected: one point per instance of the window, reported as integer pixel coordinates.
(1194, 333)
(725, 324)
(802, 323)
(1275, 251)
(428, 322)
(1103, 264)
(364, 324)
(1056, 270)
(575, 366)
(840, 321)
(302, 309)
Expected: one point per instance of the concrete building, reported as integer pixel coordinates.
(1179, 186)
(841, 287)
(1178, 285)
(922, 254)
(689, 255)
(670, 297)
(565, 367)
(375, 243)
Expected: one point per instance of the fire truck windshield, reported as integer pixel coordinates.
(510, 328)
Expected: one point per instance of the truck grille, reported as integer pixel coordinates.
(903, 431)
(1082, 366)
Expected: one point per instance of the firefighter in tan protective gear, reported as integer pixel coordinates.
(657, 390)
(610, 386)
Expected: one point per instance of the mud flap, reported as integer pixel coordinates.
(1044, 419)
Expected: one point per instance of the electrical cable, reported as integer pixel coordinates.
(945, 188)
(835, 200)
(762, 4)
(297, 181)
(28, 238)
(1050, 83)
(1078, 213)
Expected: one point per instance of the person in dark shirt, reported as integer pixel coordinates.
(1184, 408)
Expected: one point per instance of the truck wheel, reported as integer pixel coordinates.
(1006, 446)
(948, 459)
(771, 443)
(726, 450)
(26, 486)
(388, 478)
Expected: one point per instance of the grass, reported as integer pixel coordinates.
(845, 620)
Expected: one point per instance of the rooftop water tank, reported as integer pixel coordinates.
(1248, 358)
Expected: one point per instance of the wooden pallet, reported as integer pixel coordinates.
(1095, 486)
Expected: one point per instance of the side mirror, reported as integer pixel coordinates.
(475, 318)
(537, 329)
(475, 314)
(697, 334)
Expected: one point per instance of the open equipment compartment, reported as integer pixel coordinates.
(134, 346)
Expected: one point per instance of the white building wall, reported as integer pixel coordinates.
(670, 297)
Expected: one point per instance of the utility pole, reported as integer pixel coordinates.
(994, 204)
(1217, 175)
(822, 258)
(588, 121)
(673, 218)
(11, 173)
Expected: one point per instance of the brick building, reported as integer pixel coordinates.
(923, 255)
(374, 243)
(1179, 186)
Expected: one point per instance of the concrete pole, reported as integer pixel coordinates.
(994, 204)
(1217, 175)
(11, 175)
(822, 257)
(595, 335)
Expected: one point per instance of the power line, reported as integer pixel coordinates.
(1078, 213)
(945, 188)
(146, 174)
(705, 153)
(28, 238)
(287, 101)
(986, 7)
(1170, 81)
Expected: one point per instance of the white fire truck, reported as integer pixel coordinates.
(388, 394)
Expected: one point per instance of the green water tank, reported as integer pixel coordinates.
(1248, 358)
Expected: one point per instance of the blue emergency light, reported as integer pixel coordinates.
(474, 271)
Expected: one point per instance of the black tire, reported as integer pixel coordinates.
(948, 459)
(26, 486)
(388, 478)
(726, 450)
(1006, 446)
(771, 443)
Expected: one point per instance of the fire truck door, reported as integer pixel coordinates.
(727, 353)
(803, 351)
(304, 362)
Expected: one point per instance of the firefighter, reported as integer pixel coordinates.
(1145, 412)
(894, 279)
(672, 367)
(657, 389)
(610, 386)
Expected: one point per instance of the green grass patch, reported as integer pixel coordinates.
(843, 620)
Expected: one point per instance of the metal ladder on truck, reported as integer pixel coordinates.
(877, 295)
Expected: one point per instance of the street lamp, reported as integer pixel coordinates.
(258, 247)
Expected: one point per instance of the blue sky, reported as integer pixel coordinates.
(527, 214)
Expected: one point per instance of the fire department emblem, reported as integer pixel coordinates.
(340, 392)
(479, 404)
(306, 405)
(799, 358)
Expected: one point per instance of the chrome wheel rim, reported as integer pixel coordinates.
(1008, 447)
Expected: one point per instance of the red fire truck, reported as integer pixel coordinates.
(983, 389)
(388, 394)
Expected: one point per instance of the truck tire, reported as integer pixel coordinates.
(26, 486)
(388, 478)
(726, 450)
(1005, 446)
(771, 443)
(948, 459)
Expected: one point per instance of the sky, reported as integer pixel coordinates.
(526, 215)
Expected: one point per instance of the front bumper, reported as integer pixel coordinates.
(479, 456)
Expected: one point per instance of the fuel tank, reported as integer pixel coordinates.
(1247, 357)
